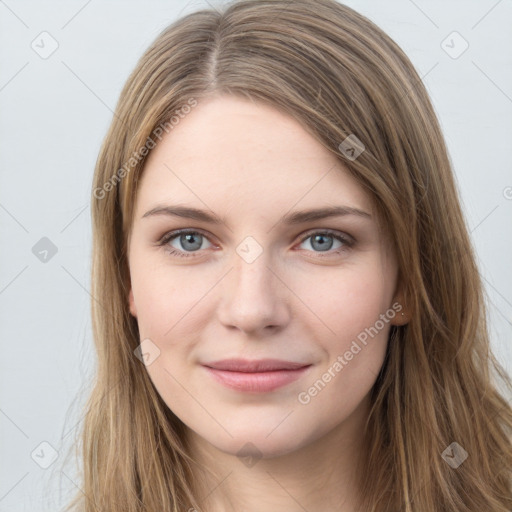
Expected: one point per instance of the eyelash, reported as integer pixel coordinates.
(168, 237)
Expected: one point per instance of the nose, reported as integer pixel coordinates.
(254, 298)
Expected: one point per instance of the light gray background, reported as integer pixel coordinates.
(54, 114)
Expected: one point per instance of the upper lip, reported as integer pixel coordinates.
(260, 365)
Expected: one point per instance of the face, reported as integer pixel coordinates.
(257, 280)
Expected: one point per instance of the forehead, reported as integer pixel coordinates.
(231, 154)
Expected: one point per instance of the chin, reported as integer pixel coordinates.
(258, 445)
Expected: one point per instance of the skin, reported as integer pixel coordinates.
(250, 164)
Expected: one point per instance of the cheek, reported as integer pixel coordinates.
(169, 305)
(353, 319)
(166, 300)
(346, 303)
(354, 353)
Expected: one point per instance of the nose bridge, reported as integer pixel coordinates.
(252, 297)
(253, 276)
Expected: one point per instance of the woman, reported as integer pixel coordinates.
(289, 315)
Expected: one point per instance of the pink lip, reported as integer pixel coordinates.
(256, 376)
(257, 365)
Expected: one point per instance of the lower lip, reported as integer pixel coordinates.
(260, 382)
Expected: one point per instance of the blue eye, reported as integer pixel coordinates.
(320, 240)
(191, 241)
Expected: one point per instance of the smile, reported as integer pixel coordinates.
(257, 381)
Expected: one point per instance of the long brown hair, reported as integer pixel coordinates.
(338, 74)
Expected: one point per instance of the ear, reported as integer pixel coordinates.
(399, 305)
(133, 309)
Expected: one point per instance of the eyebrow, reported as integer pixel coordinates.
(293, 218)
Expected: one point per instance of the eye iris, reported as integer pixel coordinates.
(323, 245)
(187, 237)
